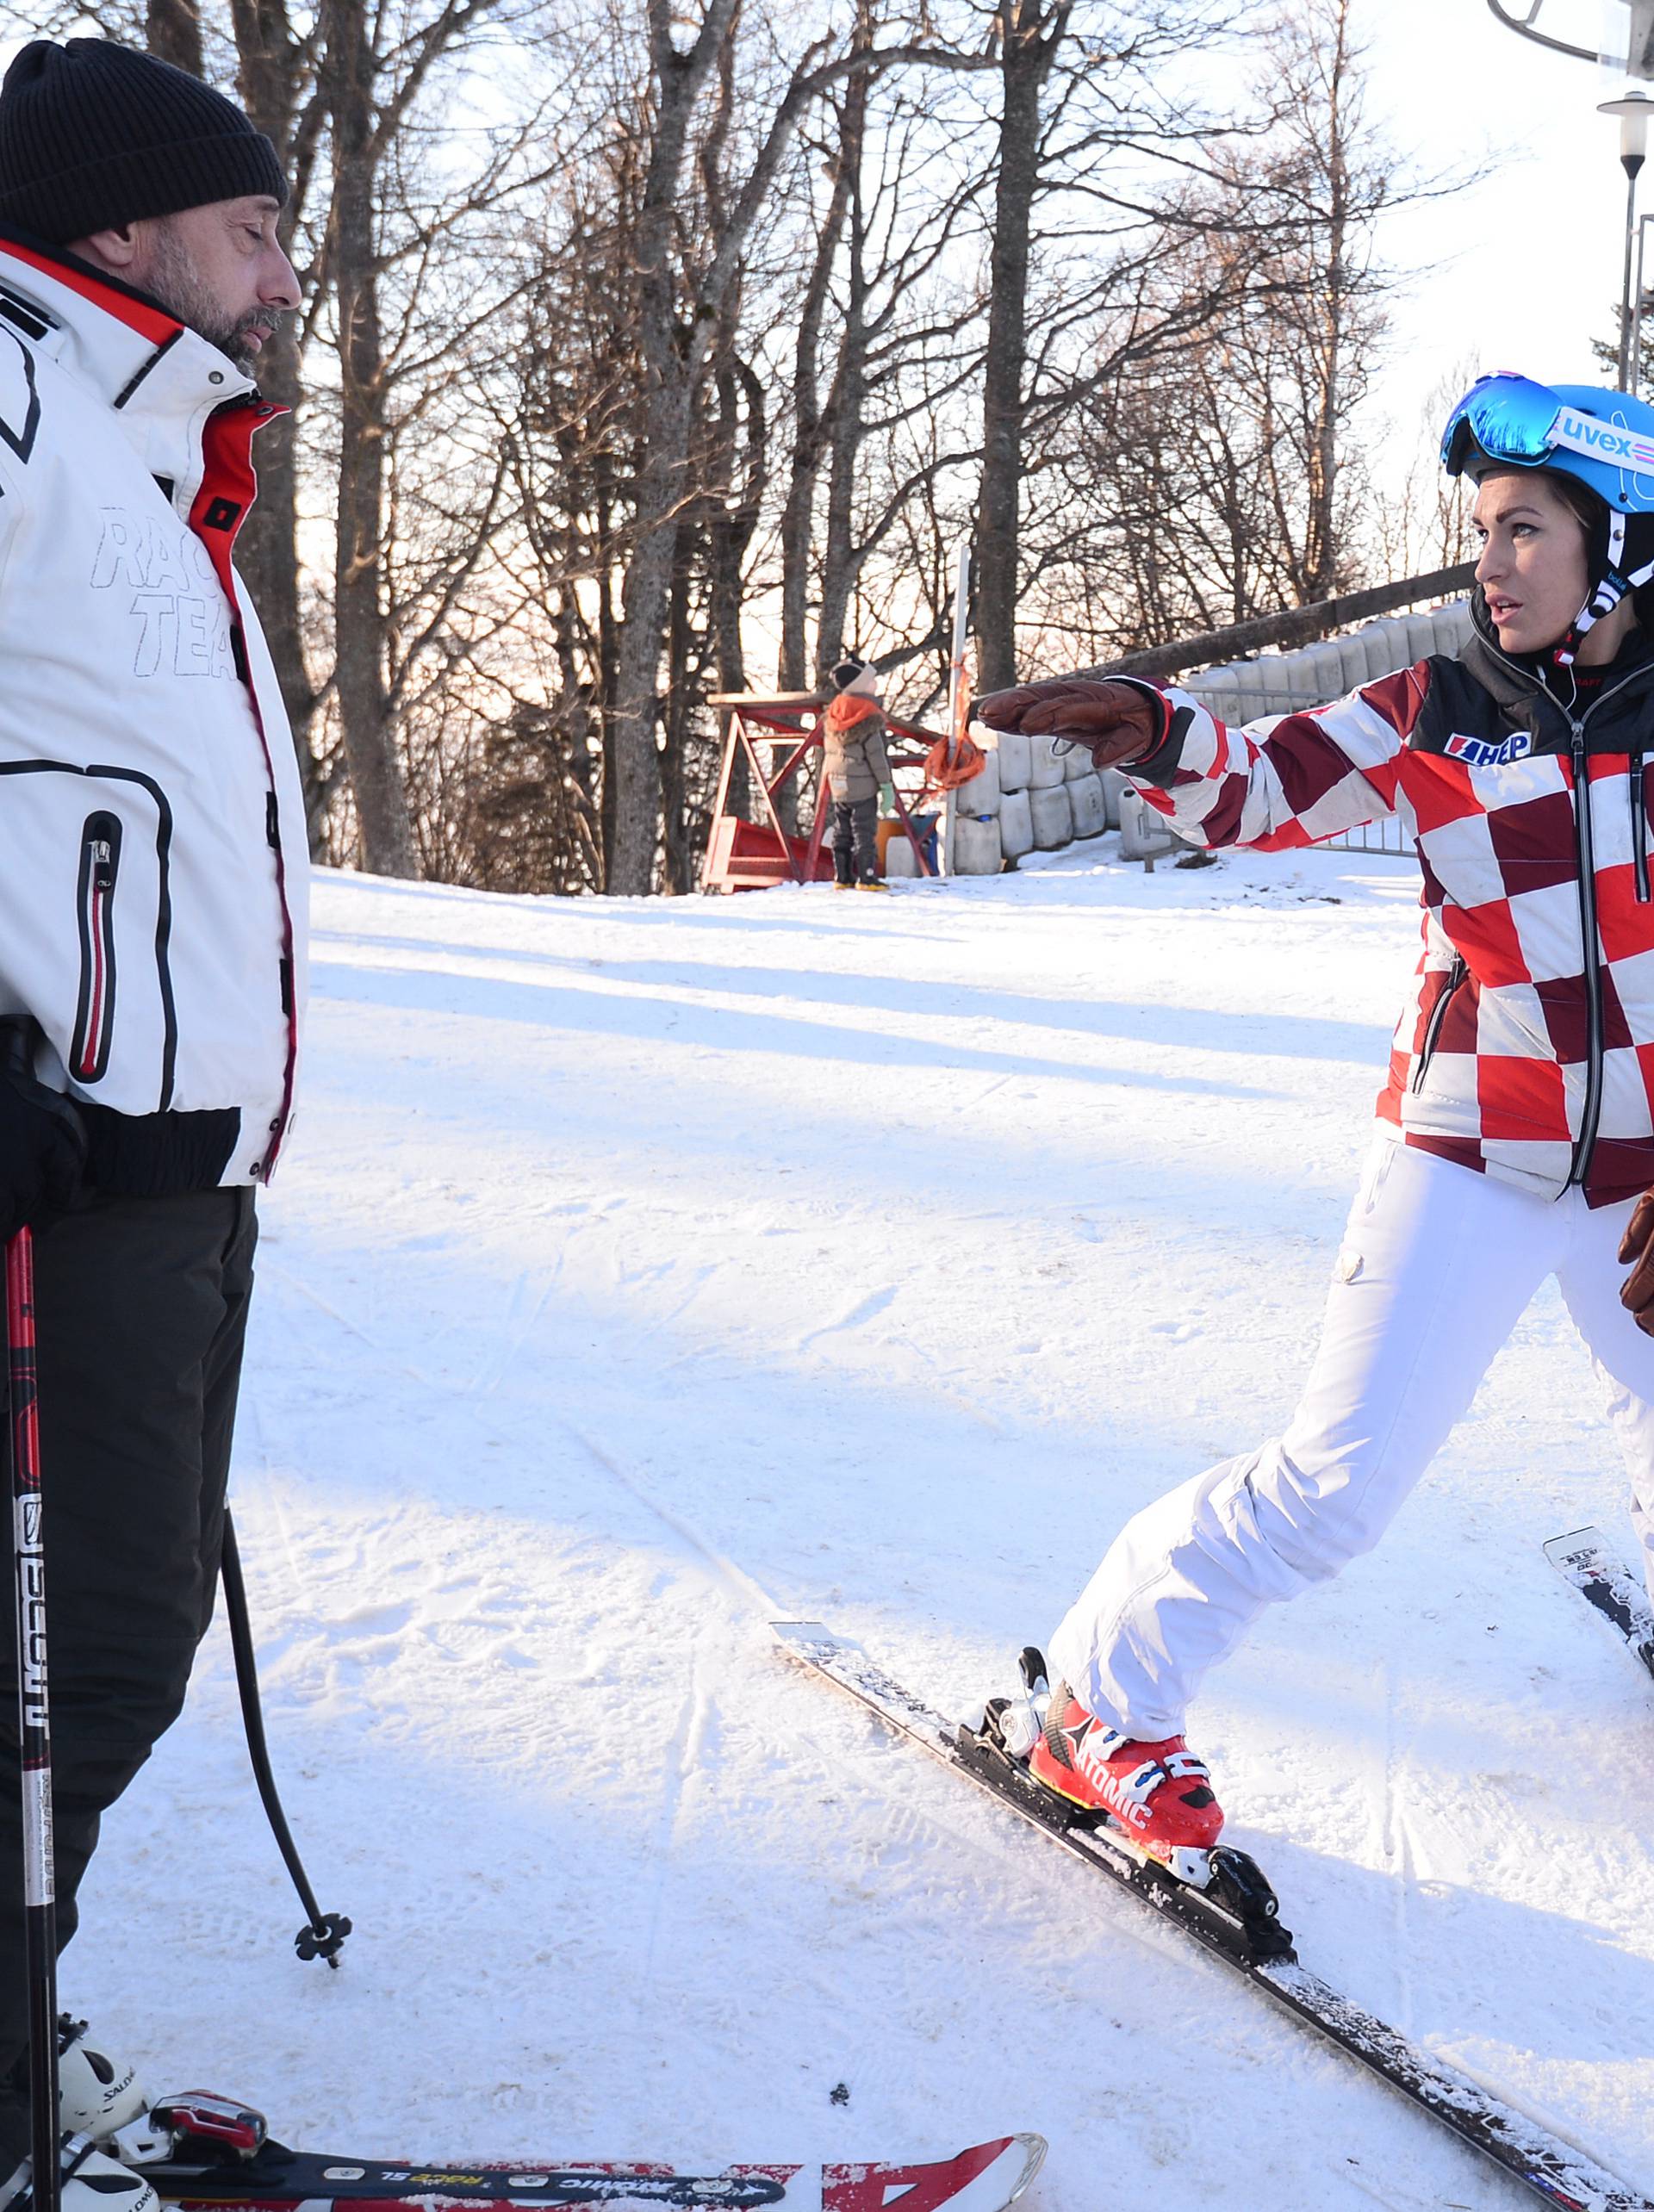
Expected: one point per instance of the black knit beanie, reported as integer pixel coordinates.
(94, 135)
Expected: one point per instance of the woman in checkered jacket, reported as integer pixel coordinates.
(1516, 1131)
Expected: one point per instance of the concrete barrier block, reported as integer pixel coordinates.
(1325, 668)
(982, 794)
(1012, 749)
(1351, 661)
(1045, 769)
(1144, 833)
(1388, 646)
(1451, 625)
(977, 850)
(1091, 817)
(1016, 825)
(1053, 816)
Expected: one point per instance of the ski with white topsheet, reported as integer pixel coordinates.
(1608, 1586)
(1221, 1900)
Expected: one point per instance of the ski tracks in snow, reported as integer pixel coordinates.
(651, 1265)
(1396, 1843)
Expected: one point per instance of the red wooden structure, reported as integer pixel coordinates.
(746, 855)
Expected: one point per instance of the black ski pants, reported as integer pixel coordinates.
(856, 839)
(140, 1312)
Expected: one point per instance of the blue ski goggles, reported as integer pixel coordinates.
(1515, 420)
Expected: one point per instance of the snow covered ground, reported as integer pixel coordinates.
(646, 1270)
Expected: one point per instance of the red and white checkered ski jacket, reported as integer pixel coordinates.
(1526, 1048)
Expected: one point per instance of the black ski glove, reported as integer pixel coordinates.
(42, 1140)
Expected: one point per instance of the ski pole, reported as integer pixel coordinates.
(33, 1725)
(324, 1933)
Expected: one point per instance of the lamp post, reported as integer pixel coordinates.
(1640, 303)
(1633, 111)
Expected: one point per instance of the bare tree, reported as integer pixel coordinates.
(1029, 33)
(172, 31)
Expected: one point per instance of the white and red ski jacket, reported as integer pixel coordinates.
(1526, 1049)
(153, 850)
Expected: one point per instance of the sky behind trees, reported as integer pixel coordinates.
(1527, 262)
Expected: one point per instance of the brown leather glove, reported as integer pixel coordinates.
(1115, 722)
(1637, 1252)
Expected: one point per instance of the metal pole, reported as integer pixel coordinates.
(34, 1723)
(1633, 109)
(959, 698)
(1637, 307)
(1626, 286)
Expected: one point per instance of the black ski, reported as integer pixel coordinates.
(1606, 1583)
(1234, 1918)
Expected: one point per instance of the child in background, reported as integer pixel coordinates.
(853, 735)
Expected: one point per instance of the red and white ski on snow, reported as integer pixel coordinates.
(217, 2157)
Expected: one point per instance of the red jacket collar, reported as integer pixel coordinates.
(136, 309)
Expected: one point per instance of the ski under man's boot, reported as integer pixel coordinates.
(91, 2181)
(1158, 1793)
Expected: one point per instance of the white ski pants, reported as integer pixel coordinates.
(1436, 1267)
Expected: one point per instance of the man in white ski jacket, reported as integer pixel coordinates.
(152, 880)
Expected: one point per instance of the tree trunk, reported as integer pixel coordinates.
(675, 719)
(608, 658)
(387, 835)
(809, 441)
(1321, 576)
(268, 556)
(731, 518)
(271, 78)
(668, 374)
(1029, 42)
(847, 406)
(172, 32)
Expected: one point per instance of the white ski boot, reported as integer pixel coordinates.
(98, 2094)
(92, 2182)
(99, 2097)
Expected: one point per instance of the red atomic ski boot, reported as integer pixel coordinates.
(1157, 1792)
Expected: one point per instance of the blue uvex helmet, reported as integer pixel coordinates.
(1603, 439)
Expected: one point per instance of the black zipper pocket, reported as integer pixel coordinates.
(100, 864)
(1456, 975)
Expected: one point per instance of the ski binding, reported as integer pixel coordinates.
(1221, 1899)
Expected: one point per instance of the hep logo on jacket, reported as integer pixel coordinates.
(1526, 1047)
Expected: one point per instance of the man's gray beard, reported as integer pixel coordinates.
(174, 282)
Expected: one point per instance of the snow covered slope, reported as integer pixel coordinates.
(643, 1268)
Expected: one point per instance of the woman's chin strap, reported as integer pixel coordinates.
(1610, 588)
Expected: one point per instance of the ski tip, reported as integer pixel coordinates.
(1562, 1548)
(988, 2178)
(808, 1636)
(1033, 2148)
